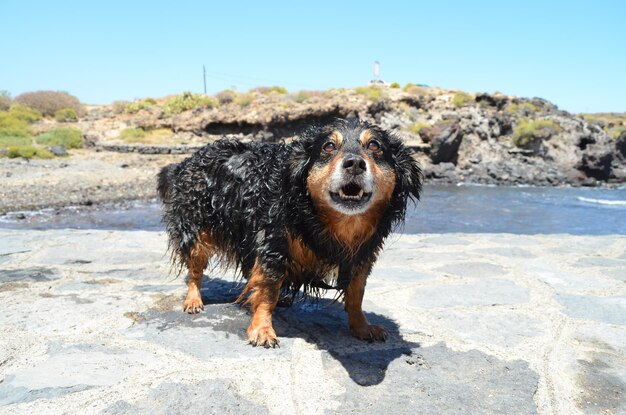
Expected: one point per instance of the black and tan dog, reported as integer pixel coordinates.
(290, 216)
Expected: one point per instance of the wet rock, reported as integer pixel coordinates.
(596, 163)
(445, 140)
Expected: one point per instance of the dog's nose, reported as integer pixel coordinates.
(354, 164)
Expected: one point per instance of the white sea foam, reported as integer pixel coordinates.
(602, 201)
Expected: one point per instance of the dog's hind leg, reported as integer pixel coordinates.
(198, 260)
(359, 326)
(263, 298)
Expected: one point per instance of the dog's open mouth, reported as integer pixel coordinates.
(351, 194)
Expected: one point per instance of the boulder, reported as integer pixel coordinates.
(58, 150)
(620, 145)
(445, 140)
(596, 163)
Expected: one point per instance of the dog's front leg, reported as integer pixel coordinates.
(359, 326)
(264, 290)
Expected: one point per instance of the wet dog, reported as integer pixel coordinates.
(308, 215)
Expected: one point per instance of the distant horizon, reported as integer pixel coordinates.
(567, 52)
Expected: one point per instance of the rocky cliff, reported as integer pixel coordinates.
(458, 137)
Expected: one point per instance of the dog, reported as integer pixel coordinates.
(303, 215)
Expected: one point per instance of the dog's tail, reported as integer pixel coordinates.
(165, 180)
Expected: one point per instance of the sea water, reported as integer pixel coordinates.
(442, 209)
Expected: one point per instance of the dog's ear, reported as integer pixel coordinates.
(408, 173)
(302, 151)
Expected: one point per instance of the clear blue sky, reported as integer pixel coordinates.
(570, 52)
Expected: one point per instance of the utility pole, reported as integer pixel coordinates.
(204, 77)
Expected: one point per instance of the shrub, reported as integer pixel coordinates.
(119, 106)
(417, 127)
(139, 135)
(528, 131)
(460, 99)
(25, 114)
(394, 85)
(616, 131)
(49, 102)
(244, 100)
(525, 108)
(5, 100)
(12, 126)
(132, 135)
(266, 90)
(414, 89)
(136, 106)
(13, 141)
(65, 137)
(371, 93)
(29, 152)
(65, 115)
(226, 96)
(187, 101)
(301, 96)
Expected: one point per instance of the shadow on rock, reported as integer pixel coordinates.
(324, 323)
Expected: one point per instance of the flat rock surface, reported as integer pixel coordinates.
(91, 322)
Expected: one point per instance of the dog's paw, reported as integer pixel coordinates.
(193, 305)
(370, 332)
(262, 336)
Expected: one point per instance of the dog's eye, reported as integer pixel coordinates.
(373, 146)
(329, 147)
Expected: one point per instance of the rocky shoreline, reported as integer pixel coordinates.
(488, 139)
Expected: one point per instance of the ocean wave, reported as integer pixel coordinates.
(607, 202)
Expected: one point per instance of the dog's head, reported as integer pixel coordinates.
(351, 167)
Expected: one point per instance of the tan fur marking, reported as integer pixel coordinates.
(302, 258)
(365, 137)
(198, 260)
(357, 321)
(263, 297)
(337, 137)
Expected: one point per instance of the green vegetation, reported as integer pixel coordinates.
(119, 106)
(13, 141)
(525, 108)
(132, 135)
(394, 85)
(528, 131)
(417, 127)
(139, 135)
(187, 101)
(615, 132)
(244, 100)
(414, 89)
(49, 102)
(24, 113)
(226, 96)
(15, 123)
(461, 99)
(266, 90)
(15, 134)
(371, 93)
(613, 123)
(66, 115)
(136, 106)
(29, 152)
(301, 96)
(65, 137)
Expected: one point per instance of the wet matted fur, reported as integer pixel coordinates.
(308, 215)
